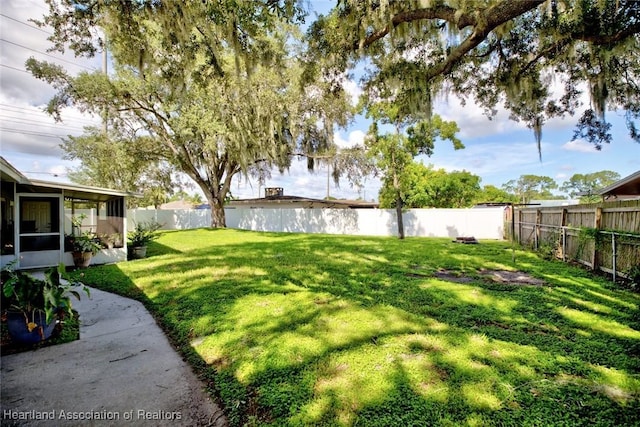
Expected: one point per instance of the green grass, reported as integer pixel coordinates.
(299, 329)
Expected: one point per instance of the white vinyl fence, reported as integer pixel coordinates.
(485, 223)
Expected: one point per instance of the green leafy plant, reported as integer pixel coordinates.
(143, 233)
(634, 277)
(22, 292)
(83, 241)
(86, 243)
(590, 233)
(549, 247)
(586, 235)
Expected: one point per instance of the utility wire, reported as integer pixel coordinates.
(47, 54)
(56, 174)
(16, 122)
(10, 111)
(72, 121)
(61, 126)
(21, 121)
(14, 68)
(26, 132)
(35, 110)
(25, 23)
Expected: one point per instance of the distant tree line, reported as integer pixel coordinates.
(426, 187)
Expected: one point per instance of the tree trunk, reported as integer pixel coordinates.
(396, 187)
(218, 218)
(399, 215)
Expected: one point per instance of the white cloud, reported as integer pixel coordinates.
(35, 165)
(472, 120)
(352, 88)
(580, 146)
(298, 181)
(490, 158)
(474, 123)
(355, 138)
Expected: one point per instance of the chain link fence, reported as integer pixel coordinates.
(604, 237)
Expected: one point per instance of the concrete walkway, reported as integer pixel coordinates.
(122, 371)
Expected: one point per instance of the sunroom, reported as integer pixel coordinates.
(39, 219)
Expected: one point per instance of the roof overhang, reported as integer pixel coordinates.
(71, 191)
(626, 187)
(9, 173)
(83, 192)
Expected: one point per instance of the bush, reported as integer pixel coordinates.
(143, 233)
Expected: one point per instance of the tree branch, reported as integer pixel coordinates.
(442, 12)
(591, 38)
(544, 53)
(493, 16)
(214, 60)
(231, 170)
(613, 38)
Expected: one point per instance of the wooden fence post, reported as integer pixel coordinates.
(512, 211)
(597, 224)
(563, 224)
(520, 226)
(538, 222)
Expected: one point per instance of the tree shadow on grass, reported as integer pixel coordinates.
(332, 330)
(156, 248)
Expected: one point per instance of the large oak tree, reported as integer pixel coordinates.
(215, 85)
(497, 53)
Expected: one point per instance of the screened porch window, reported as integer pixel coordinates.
(104, 220)
(39, 224)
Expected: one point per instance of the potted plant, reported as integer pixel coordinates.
(32, 305)
(84, 245)
(139, 238)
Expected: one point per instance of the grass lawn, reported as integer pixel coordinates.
(346, 330)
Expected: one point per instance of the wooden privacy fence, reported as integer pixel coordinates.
(603, 236)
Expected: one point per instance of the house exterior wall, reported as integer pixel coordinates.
(487, 223)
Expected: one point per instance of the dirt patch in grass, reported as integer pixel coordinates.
(453, 276)
(511, 277)
(516, 278)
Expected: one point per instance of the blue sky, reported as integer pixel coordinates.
(497, 150)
